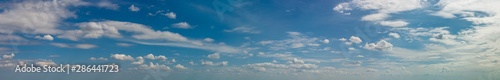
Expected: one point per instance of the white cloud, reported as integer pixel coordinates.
(150, 56)
(297, 45)
(395, 35)
(326, 41)
(108, 5)
(182, 25)
(133, 8)
(291, 33)
(397, 23)
(355, 39)
(122, 57)
(171, 15)
(45, 63)
(243, 29)
(154, 67)
(381, 45)
(85, 46)
(375, 17)
(214, 56)
(208, 40)
(63, 45)
(342, 7)
(124, 44)
(210, 63)
(100, 58)
(342, 39)
(179, 66)
(45, 37)
(385, 6)
(140, 60)
(8, 56)
(161, 58)
(48, 16)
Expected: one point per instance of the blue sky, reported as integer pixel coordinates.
(254, 40)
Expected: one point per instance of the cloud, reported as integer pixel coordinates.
(171, 15)
(85, 46)
(48, 16)
(153, 66)
(45, 37)
(139, 61)
(214, 56)
(326, 41)
(210, 63)
(375, 17)
(342, 39)
(182, 25)
(124, 44)
(296, 40)
(179, 66)
(243, 29)
(108, 5)
(133, 8)
(122, 57)
(342, 7)
(294, 65)
(211, 47)
(100, 58)
(395, 35)
(208, 40)
(63, 45)
(8, 56)
(397, 23)
(355, 39)
(383, 6)
(381, 45)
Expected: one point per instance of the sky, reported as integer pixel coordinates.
(253, 39)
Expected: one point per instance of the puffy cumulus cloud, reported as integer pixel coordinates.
(397, 23)
(153, 66)
(243, 29)
(355, 39)
(171, 15)
(153, 57)
(150, 56)
(45, 37)
(122, 57)
(214, 56)
(326, 41)
(36, 17)
(395, 35)
(180, 67)
(380, 45)
(10, 56)
(139, 60)
(182, 25)
(85, 46)
(342, 39)
(208, 40)
(133, 8)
